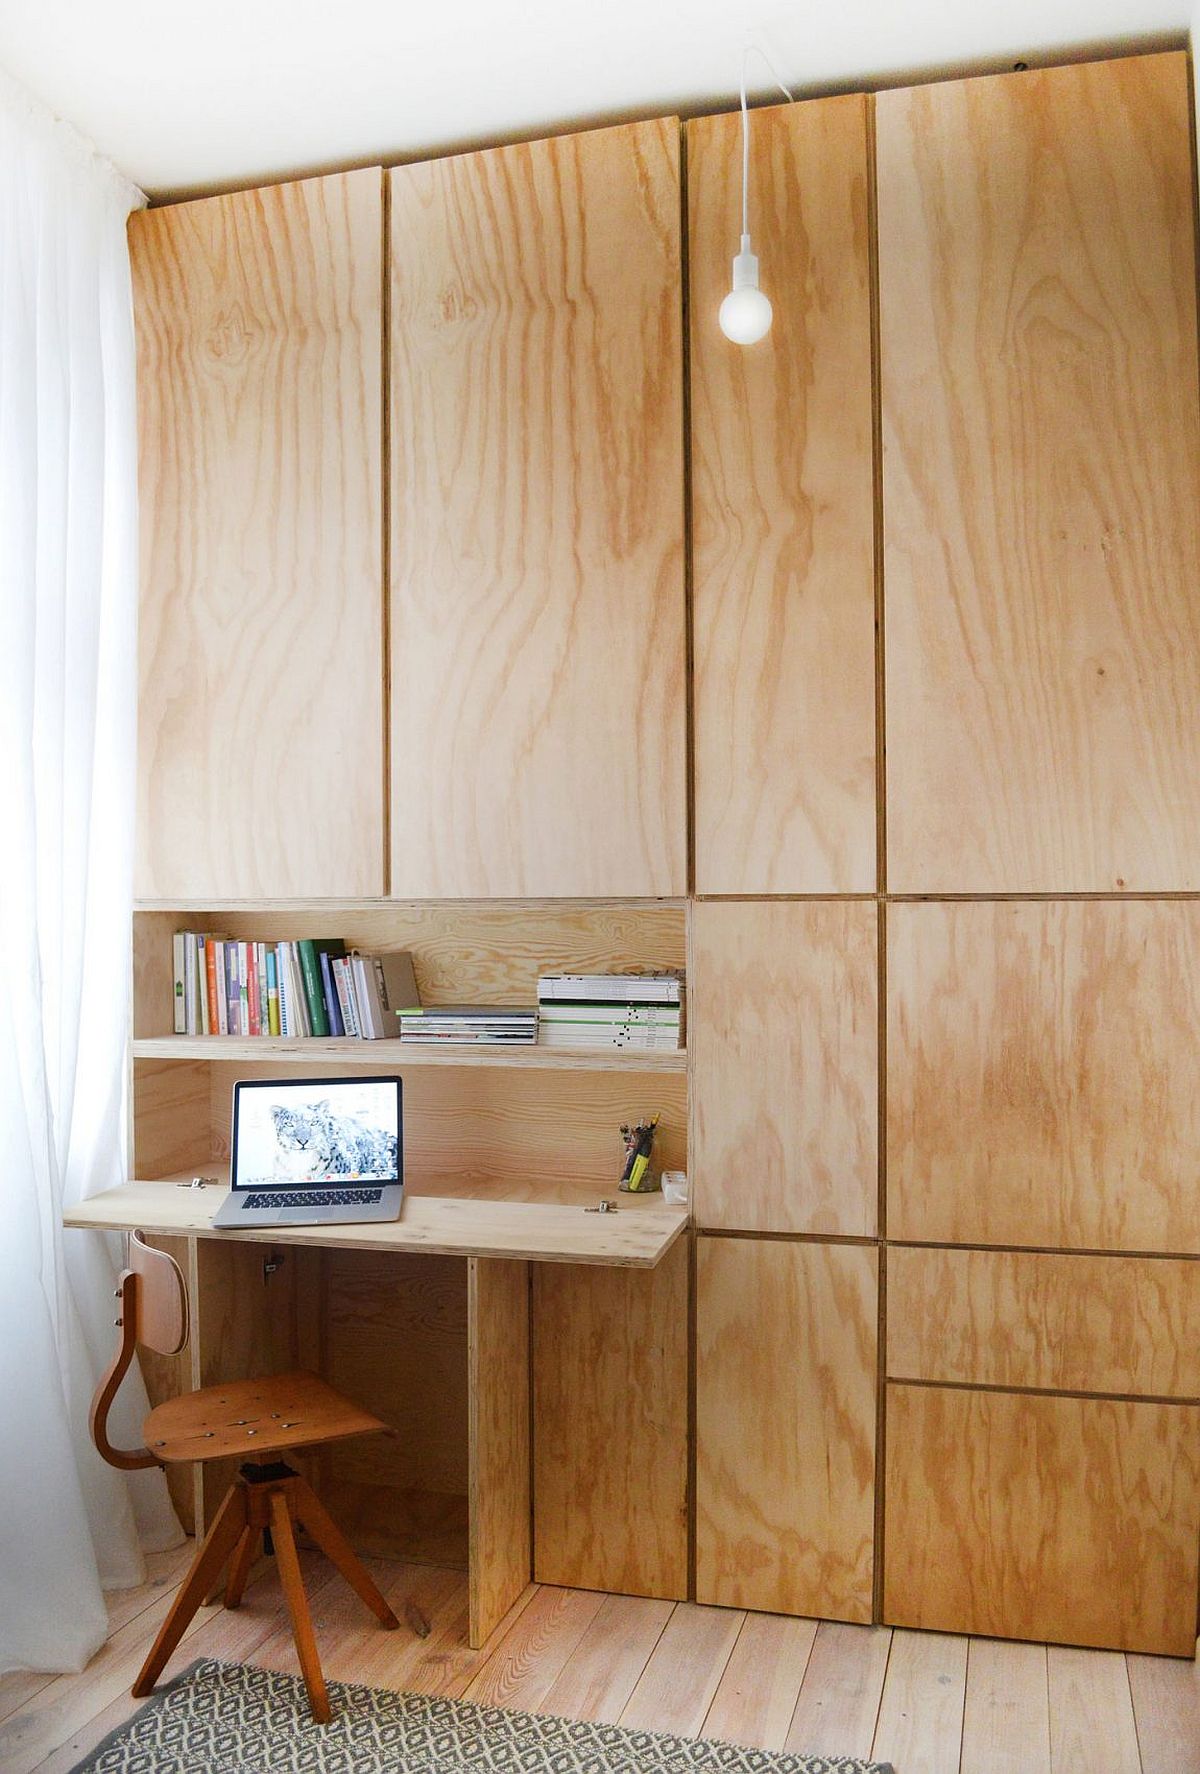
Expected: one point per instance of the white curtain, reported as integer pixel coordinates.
(69, 1525)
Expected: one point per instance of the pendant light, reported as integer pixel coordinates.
(745, 314)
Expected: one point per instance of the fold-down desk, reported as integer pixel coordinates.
(433, 1308)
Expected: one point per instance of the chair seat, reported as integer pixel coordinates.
(252, 1418)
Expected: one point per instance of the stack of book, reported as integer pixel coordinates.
(641, 1011)
(469, 1022)
(314, 987)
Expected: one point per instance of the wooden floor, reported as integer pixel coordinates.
(929, 1703)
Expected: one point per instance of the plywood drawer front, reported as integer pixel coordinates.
(260, 702)
(1064, 1323)
(1021, 1516)
(1044, 1074)
(538, 621)
(782, 510)
(1041, 439)
(610, 1396)
(785, 1426)
(783, 1032)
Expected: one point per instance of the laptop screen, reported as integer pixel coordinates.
(316, 1133)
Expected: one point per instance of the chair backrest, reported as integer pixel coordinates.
(153, 1312)
(160, 1299)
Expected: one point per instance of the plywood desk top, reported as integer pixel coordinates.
(636, 1236)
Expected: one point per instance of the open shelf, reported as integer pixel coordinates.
(280, 1050)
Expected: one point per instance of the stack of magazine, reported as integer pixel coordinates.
(469, 1022)
(638, 1011)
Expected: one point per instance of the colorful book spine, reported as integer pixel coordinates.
(243, 989)
(311, 979)
(180, 997)
(203, 944)
(264, 1007)
(333, 1009)
(253, 1024)
(274, 1025)
(211, 950)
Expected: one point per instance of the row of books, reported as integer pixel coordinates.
(315, 986)
(640, 1011)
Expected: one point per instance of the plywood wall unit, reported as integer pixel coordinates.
(1068, 1323)
(1021, 1516)
(782, 509)
(259, 323)
(783, 1036)
(785, 1425)
(1043, 1079)
(537, 599)
(1041, 433)
(610, 1412)
(479, 953)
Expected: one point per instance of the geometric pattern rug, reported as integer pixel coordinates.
(233, 1718)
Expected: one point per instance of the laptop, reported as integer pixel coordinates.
(314, 1152)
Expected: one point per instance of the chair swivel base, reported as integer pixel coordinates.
(265, 1501)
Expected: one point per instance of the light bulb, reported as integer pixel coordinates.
(745, 314)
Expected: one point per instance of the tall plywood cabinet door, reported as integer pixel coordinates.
(259, 330)
(782, 505)
(785, 1425)
(537, 599)
(1041, 434)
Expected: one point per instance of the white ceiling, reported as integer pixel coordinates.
(186, 96)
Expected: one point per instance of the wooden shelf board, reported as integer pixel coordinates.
(349, 1050)
(637, 1236)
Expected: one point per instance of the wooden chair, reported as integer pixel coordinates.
(267, 1499)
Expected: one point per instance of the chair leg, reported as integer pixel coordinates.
(312, 1514)
(297, 1601)
(219, 1542)
(239, 1568)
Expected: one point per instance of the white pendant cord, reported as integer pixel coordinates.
(747, 52)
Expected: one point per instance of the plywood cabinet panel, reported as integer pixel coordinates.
(1041, 434)
(1022, 1516)
(782, 509)
(782, 1030)
(1044, 1074)
(785, 1425)
(537, 600)
(1066, 1323)
(259, 326)
(610, 1412)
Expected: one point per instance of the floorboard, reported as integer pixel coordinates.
(931, 1703)
(1006, 1723)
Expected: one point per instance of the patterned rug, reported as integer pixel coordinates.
(218, 1718)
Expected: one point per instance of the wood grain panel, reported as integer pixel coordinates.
(782, 509)
(1041, 435)
(259, 323)
(785, 1426)
(783, 1038)
(395, 1341)
(610, 1402)
(1043, 1078)
(1064, 1323)
(1023, 1516)
(172, 1116)
(537, 520)
(501, 1557)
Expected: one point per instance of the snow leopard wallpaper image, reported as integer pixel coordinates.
(315, 1142)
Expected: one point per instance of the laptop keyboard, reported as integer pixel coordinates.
(314, 1198)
